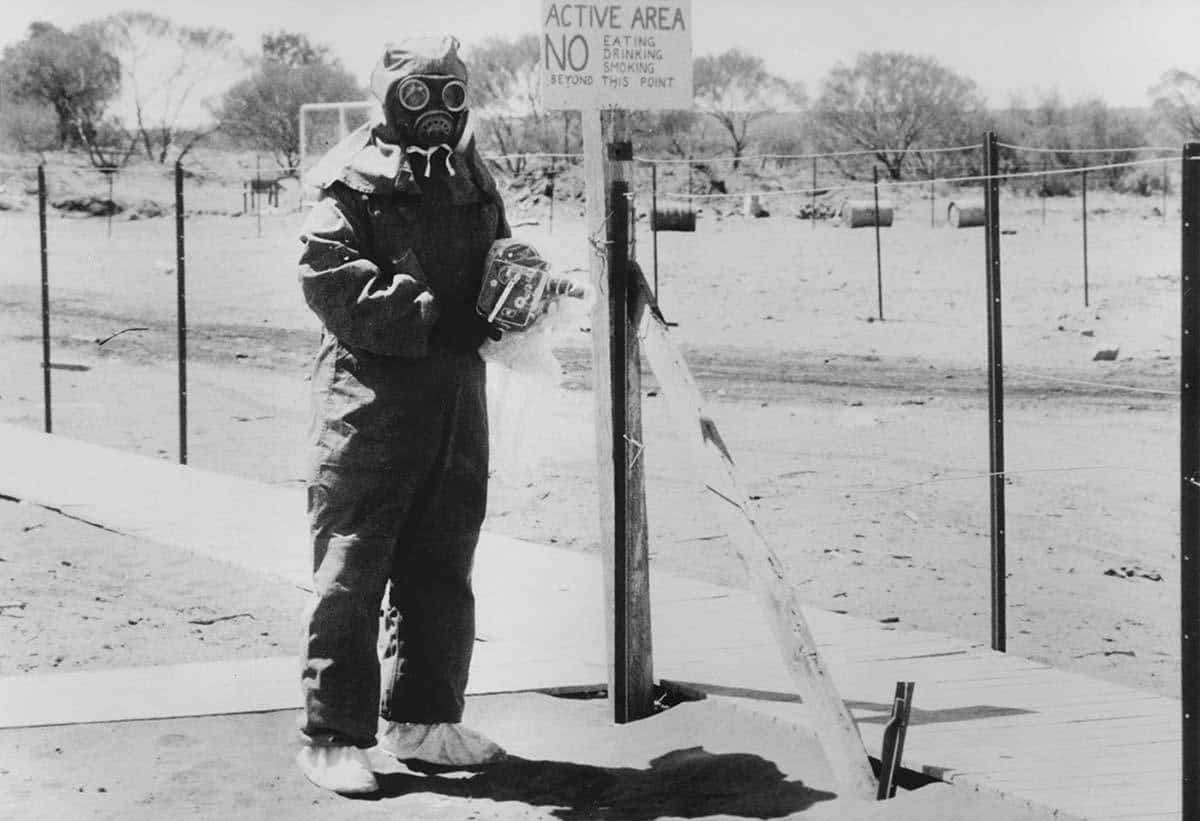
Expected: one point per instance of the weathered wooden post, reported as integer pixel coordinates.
(654, 221)
(1189, 484)
(618, 424)
(995, 365)
(575, 77)
(632, 690)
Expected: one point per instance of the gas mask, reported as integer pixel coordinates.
(423, 87)
(430, 115)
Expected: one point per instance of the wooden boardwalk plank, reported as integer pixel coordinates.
(996, 722)
(1129, 773)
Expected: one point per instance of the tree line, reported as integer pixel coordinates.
(137, 83)
(131, 84)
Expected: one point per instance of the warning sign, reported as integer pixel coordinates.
(624, 54)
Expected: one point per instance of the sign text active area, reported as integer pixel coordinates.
(631, 55)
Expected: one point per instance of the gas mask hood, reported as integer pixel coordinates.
(422, 86)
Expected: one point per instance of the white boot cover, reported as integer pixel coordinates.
(344, 770)
(451, 745)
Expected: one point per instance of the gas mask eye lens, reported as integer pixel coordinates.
(413, 94)
(454, 96)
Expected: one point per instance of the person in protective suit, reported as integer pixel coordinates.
(393, 256)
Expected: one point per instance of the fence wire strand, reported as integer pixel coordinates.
(1088, 383)
(934, 480)
(1037, 150)
(816, 156)
(866, 186)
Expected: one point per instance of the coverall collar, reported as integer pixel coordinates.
(369, 164)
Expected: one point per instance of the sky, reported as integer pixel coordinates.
(1108, 49)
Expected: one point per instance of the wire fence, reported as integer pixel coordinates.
(971, 178)
(146, 189)
(890, 467)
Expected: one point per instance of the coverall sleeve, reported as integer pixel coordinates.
(502, 229)
(384, 312)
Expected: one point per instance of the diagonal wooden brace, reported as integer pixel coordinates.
(834, 725)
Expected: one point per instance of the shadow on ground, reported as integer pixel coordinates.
(684, 783)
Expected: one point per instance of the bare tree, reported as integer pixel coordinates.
(1177, 101)
(167, 73)
(72, 73)
(293, 49)
(889, 102)
(263, 109)
(735, 89)
(505, 92)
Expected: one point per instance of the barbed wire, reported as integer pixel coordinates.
(868, 489)
(1085, 150)
(166, 168)
(814, 156)
(746, 157)
(1088, 383)
(904, 183)
(531, 156)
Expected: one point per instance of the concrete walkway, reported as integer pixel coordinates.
(1002, 724)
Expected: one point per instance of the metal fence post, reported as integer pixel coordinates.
(932, 194)
(995, 390)
(1045, 191)
(1189, 469)
(1085, 242)
(108, 171)
(878, 248)
(256, 192)
(47, 417)
(1164, 191)
(813, 194)
(181, 313)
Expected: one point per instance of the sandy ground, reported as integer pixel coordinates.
(567, 761)
(864, 441)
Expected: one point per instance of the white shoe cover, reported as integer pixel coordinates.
(451, 745)
(345, 770)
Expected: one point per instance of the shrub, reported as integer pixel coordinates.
(1140, 181)
(29, 126)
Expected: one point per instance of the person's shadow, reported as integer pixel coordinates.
(687, 783)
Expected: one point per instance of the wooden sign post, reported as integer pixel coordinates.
(603, 59)
(617, 391)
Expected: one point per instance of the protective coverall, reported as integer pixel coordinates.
(391, 264)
